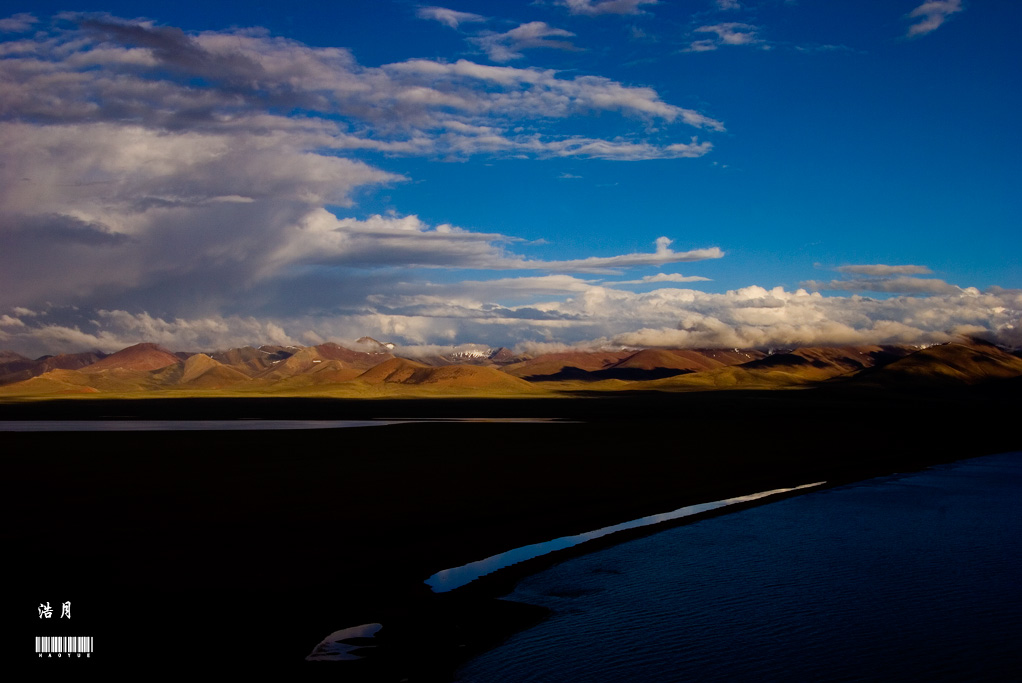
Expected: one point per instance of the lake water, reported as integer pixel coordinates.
(456, 577)
(913, 577)
(229, 425)
(176, 425)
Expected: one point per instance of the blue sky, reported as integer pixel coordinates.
(562, 172)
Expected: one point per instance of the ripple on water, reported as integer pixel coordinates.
(913, 577)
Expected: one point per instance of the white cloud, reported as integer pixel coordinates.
(322, 238)
(17, 23)
(661, 277)
(598, 7)
(748, 317)
(144, 168)
(114, 70)
(727, 4)
(502, 288)
(448, 17)
(885, 278)
(114, 208)
(662, 255)
(930, 15)
(115, 330)
(556, 312)
(535, 92)
(731, 33)
(882, 270)
(900, 285)
(505, 47)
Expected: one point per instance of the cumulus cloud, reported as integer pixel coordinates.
(661, 277)
(114, 330)
(553, 313)
(147, 168)
(727, 4)
(731, 33)
(748, 317)
(162, 182)
(930, 15)
(448, 17)
(597, 7)
(504, 47)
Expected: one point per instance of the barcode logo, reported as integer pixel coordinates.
(63, 644)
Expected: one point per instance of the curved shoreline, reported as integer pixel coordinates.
(457, 577)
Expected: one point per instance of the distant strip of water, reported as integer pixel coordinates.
(176, 425)
(229, 425)
(915, 577)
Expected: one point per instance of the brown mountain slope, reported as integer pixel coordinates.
(448, 378)
(355, 359)
(307, 358)
(321, 374)
(72, 361)
(552, 363)
(199, 371)
(470, 376)
(54, 382)
(798, 368)
(303, 360)
(728, 377)
(946, 365)
(15, 367)
(144, 356)
(11, 356)
(115, 380)
(249, 360)
(632, 365)
(730, 356)
(651, 359)
(818, 363)
(395, 370)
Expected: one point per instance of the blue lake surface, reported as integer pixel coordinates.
(914, 577)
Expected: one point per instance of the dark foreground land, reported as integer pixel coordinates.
(243, 550)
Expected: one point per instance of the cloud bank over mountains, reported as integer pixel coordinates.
(555, 312)
(191, 189)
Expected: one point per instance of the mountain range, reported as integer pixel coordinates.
(373, 369)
